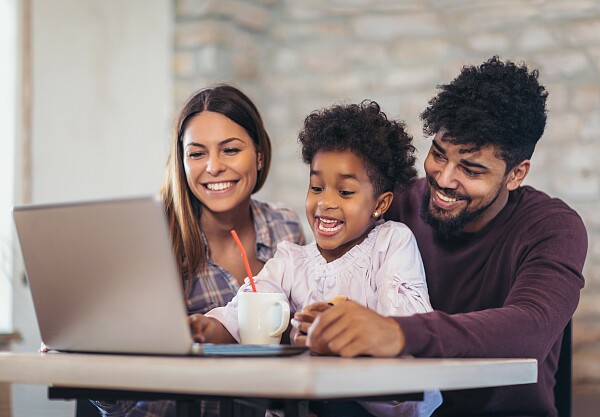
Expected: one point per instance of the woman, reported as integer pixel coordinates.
(220, 155)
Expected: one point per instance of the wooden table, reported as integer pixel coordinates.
(5, 401)
(297, 379)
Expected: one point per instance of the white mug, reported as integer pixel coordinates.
(262, 317)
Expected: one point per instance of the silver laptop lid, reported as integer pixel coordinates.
(103, 276)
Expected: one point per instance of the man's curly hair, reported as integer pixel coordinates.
(498, 103)
(384, 145)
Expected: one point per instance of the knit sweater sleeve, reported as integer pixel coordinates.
(541, 300)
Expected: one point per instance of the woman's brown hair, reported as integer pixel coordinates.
(181, 206)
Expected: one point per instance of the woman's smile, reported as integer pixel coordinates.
(220, 186)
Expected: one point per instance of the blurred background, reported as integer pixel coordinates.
(89, 91)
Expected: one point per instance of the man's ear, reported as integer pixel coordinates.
(384, 201)
(517, 175)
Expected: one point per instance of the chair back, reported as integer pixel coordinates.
(563, 389)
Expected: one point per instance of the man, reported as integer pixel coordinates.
(503, 261)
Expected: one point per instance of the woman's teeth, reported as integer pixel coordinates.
(219, 186)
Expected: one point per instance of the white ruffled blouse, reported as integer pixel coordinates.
(384, 273)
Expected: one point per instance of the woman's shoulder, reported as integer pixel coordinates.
(275, 211)
(281, 221)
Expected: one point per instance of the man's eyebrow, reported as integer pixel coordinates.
(461, 151)
(465, 162)
(438, 147)
(468, 163)
(469, 150)
(472, 164)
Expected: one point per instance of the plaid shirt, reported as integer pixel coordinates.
(215, 287)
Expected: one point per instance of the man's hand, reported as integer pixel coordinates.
(350, 329)
(209, 330)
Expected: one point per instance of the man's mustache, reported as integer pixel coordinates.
(450, 193)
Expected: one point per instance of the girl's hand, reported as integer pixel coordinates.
(208, 330)
(304, 318)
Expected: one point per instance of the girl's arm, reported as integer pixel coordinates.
(400, 276)
(272, 278)
(209, 330)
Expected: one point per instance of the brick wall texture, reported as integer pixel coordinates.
(294, 56)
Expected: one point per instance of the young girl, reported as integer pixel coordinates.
(357, 157)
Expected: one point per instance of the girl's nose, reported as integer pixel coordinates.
(327, 201)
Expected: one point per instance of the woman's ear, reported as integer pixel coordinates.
(517, 175)
(259, 161)
(384, 201)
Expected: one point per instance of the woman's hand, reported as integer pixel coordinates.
(208, 330)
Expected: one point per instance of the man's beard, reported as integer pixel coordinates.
(451, 227)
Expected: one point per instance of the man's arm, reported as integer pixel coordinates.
(540, 302)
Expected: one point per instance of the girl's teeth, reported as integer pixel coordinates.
(334, 223)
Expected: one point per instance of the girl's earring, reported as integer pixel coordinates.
(376, 214)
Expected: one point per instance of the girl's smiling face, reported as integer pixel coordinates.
(341, 202)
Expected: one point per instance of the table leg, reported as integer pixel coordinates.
(187, 408)
(5, 400)
(226, 408)
(296, 408)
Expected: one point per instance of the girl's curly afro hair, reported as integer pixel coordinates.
(498, 103)
(383, 145)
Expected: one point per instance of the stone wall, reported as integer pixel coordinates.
(293, 56)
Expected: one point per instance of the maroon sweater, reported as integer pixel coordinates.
(506, 291)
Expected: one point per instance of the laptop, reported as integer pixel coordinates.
(103, 279)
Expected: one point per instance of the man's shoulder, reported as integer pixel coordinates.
(530, 199)
(407, 202)
(417, 187)
(535, 208)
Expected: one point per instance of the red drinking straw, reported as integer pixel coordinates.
(245, 257)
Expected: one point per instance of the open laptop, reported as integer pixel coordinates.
(103, 278)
